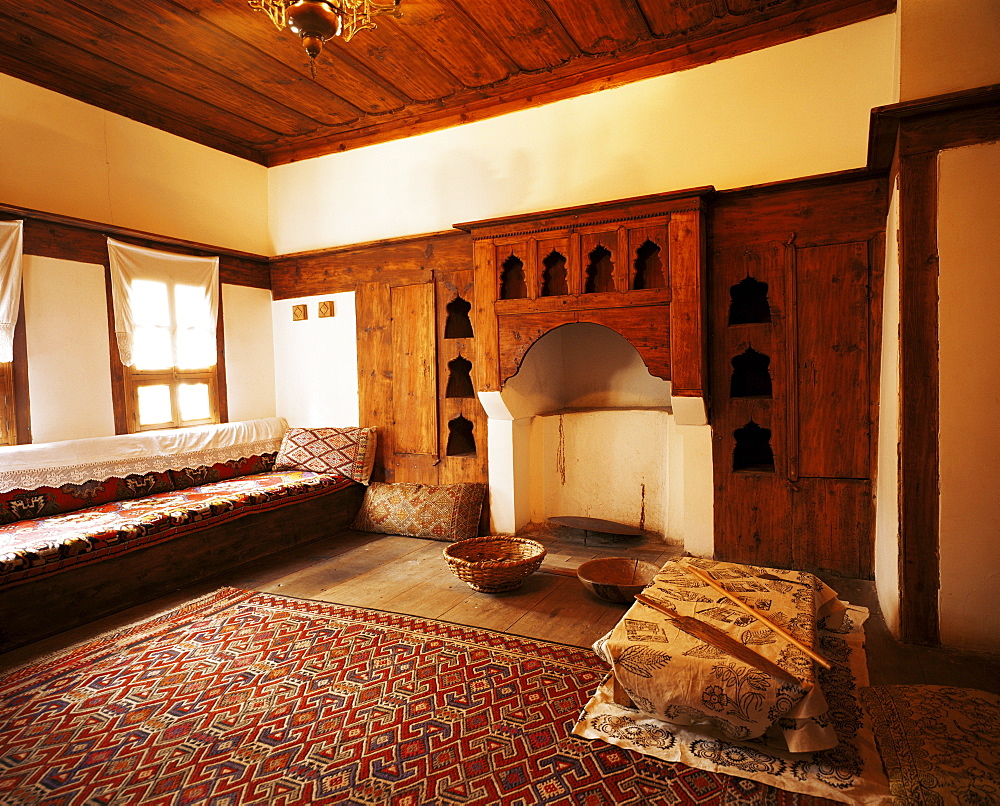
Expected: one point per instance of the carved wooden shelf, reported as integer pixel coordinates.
(636, 266)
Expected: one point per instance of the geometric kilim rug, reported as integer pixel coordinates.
(250, 698)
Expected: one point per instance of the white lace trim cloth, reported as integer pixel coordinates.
(75, 461)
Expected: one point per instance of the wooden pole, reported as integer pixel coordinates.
(707, 578)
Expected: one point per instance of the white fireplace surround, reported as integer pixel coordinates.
(583, 429)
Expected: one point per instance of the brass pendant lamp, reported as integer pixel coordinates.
(316, 21)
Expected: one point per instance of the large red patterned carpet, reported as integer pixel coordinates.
(249, 698)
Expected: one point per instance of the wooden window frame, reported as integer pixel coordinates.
(15, 417)
(125, 381)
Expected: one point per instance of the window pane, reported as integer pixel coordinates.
(193, 400)
(151, 348)
(196, 349)
(154, 404)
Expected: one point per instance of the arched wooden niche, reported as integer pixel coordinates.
(751, 375)
(458, 325)
(748, 303)
(461, 442)
(752, 451)
(512, 285)
(554, 281)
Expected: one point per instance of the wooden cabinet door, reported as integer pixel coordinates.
(832, 361)
(414, 377)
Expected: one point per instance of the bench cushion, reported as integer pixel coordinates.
(37, 547)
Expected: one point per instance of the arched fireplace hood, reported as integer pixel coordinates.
(634, 266)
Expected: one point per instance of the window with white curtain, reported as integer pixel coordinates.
(166, 312)
(11, 246)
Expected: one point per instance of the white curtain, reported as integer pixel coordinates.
(135, 263)
(10, 285)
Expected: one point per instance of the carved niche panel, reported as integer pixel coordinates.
(635, 265)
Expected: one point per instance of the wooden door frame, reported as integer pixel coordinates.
(910, 137)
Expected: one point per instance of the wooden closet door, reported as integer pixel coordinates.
(414, 378)
(832, 361)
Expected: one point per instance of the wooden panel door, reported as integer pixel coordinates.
(831, 526)
(832, 361)
(374, 331)
(414, 377)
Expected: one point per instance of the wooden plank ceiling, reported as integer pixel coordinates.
(219, 73)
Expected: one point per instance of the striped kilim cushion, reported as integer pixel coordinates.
(348, 452)
(438, 511)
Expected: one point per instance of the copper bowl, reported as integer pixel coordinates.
(616, 579)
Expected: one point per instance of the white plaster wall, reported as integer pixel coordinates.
(969, 251)
(887, 470)
(602, 464)
(691, 491)
(596, 438)
(62, 156)
(948, 45)
(316, 366)
(66, 330)
(793, 110)
(246, 316)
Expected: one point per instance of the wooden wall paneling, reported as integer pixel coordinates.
(396, 261)
(453, 469)
(876, 286)
(374, 334)
(753, 515)
(830, 209)
(919, 470)
(791, 358)
(831, 524)
(833, 393)
(753, 508)
(414, 377)
(66, 238)
(686, 258)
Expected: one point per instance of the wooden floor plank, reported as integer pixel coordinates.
(319, 580)
(569, 614)
(421, 566)
(497, 611)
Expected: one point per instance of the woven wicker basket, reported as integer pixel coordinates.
(495, 563)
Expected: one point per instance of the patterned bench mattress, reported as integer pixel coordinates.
(41, 546)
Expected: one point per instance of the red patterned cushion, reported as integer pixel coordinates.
(20, 505)
(221, 471)
(442, 511)
(348, 452)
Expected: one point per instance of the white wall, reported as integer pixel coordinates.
(887, 472)
(969, 253)
(62, 156)
(249, 337)
(66, 330)
(793, 110)
(947, 46)
(602, 464)
(316, 368)
(583, 429)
